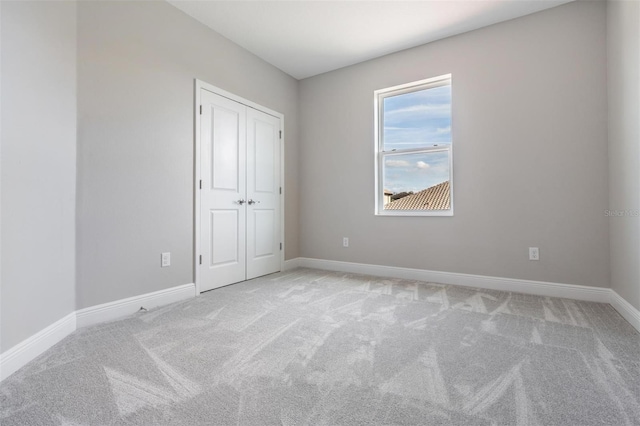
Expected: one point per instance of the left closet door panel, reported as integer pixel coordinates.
(223, 194)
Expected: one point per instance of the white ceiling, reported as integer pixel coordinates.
(304, 38)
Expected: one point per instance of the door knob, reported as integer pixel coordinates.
(252, 202)
(241, 202)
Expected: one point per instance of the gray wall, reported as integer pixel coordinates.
(623, 37)
(530, 154)
(136, 65)
(38, 166)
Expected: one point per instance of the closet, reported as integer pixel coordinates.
(238, 191)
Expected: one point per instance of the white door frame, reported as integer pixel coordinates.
(198, 86)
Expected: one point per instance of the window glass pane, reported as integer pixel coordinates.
(417, 181)
(417, 119)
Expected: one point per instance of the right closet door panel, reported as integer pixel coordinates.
(263, 194)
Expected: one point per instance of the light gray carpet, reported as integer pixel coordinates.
(316, 347)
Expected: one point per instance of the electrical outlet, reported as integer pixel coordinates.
(534, 253)
(345, 242)
(165, 260)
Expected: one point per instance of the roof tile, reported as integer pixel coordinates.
(436, 197)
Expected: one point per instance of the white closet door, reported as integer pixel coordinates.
(240, 215)
(223, 194)
(263, 193)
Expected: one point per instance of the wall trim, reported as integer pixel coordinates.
(123, 307)
(540, 288)
(290, 264)
(626, 309)
(27, 350)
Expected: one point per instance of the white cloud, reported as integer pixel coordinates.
(422, 165)
(397, 163)
(441, 130)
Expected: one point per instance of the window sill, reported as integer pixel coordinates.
(417, 213)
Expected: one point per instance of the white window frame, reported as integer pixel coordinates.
(379, 96)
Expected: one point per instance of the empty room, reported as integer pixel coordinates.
(320, 212)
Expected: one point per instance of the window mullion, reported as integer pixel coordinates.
(417, 150)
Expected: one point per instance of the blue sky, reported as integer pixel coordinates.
(414, 120)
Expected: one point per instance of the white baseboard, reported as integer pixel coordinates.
(626, 309)
(22, 353)
(27, 350)
(291, 264)
(123, 307)
(540, 288)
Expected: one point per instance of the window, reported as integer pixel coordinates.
(413, 149)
